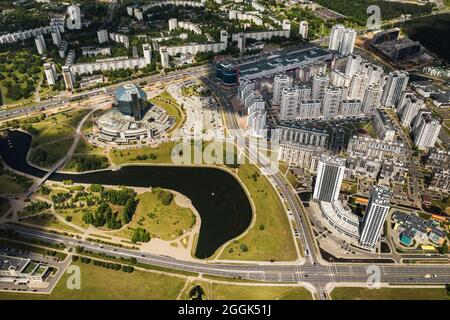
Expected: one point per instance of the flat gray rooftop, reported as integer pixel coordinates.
(282, 61)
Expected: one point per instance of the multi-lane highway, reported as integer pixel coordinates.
(316, 276)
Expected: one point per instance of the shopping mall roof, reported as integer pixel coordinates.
(282, 61)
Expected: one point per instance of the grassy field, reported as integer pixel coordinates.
(162, 153)
(101, 283)
(73, 117)
(390, 294)
(221, 291)
(9, 184)
(162, 221)
(48, 220)
(52, 132)
(85, 147)
(284, 169)
(237, 292)
(53, 152)
(270, 237)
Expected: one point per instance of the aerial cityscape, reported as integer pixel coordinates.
(225, 150)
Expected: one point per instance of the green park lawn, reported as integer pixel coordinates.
(50, 153)
(390, 294)
(222, 291)
(52, 132)
(73, 117)
(237, 292)
(270, 237)
(9, 184)
(105, 284)
(162, 153)
(284, 170)
(85, 147)
(166, 222)
(47, 220)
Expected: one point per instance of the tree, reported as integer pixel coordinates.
(444, 248)
(129, 209)
(163, 195)
(140, 235)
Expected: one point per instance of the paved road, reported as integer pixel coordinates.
(318, 275)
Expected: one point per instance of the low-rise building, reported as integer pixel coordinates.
(363, 145)
(412, 228)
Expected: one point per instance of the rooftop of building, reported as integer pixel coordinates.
(369, 139)
(114, 120)
(10, 263)
(125, 91)
(282, 59)
(415, 223)
(341, 218)
(293, 124)
(381, 195)
(332, 160)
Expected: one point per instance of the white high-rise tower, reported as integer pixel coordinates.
(102, 36)
(303, 29)
(68, 77)
(395, 85)
(353, 63)
(336, 36)
(372, 99)
(319, 83)
(376, 212)
(164, 57)
(50, 73)
(147, 48)
(342, 39)
(280, 82)
(40, 44)
(56, 37)
(330, 173)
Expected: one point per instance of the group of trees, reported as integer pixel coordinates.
(140, 235)
(163, 195)
(151, 156)
(37, 206)
(60, 197)
(102, 216)
(104, 264)
(43, 158)
(430, 31)
(19, 74)
(118, 197)
(389, 9)
(87, 163)
(129, 209)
